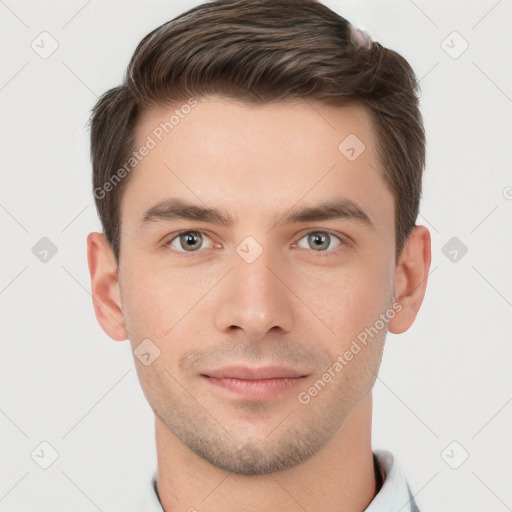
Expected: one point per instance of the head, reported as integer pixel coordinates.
(258, 183)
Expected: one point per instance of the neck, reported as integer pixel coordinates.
(339, 477)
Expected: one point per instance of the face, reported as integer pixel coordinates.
(254, 253)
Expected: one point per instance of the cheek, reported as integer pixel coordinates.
(350, 300)
(156, 298)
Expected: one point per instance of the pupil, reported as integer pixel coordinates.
(191, 240)
(319, 239)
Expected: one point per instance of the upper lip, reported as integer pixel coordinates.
(247, 373)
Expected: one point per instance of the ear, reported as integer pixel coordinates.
(106, 298)
(410, 278)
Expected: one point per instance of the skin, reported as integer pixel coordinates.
(296, 304)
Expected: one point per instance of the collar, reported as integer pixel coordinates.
(395, 494)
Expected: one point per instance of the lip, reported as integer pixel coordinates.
(264, 372)
(255, 383)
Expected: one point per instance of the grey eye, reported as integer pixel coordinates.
(318, 240)
(188, 241)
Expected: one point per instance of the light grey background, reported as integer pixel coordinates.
(64, 382)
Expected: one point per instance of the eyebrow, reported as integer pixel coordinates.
(177, 209)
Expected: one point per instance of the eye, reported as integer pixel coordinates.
(188, 242)
(192, 241)
(321, 242)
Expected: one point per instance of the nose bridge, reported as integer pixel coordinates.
(254, 298)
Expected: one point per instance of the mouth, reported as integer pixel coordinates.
(255, 383)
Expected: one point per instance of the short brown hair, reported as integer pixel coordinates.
(260, 52)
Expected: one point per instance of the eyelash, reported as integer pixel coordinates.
(329, 252)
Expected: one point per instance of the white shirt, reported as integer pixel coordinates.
(394, 495)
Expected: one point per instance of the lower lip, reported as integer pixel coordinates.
(255, 389)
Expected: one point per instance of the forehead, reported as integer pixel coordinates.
(256, 159)
(307, 123)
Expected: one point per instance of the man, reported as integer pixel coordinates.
(258, 177)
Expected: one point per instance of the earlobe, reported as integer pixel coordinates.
(410, 279)
(105, 287)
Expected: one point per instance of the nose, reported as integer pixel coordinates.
(255, 298)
